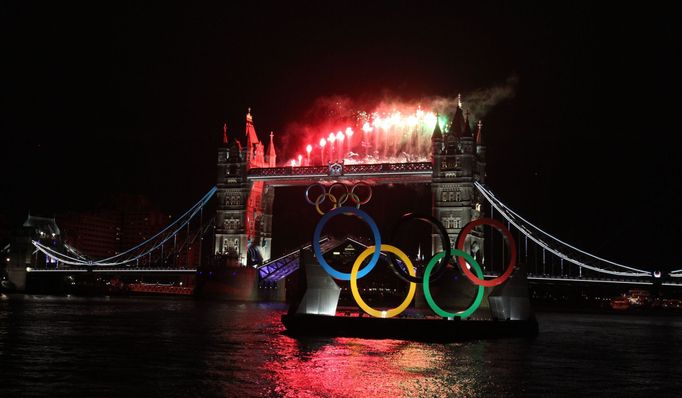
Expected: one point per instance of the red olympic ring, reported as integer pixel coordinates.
(510, 241)
(369, 197)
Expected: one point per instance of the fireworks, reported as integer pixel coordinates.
(394, 136)
(308, 149)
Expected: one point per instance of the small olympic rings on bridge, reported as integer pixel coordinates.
(512, 252)
(339, 198)
(445, 239)
(318, 251)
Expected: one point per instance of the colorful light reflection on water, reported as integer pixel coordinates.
(357, 367)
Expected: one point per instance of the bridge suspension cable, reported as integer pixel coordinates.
(521, 224)
(140, 250)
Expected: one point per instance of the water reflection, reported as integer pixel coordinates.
(184, 348)
(351, 367)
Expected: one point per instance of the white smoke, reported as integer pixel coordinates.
(479, 102)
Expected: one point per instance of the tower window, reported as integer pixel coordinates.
(449, 222)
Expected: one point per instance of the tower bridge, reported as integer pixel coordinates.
(247, 176)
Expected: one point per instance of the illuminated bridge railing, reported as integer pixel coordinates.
(349, 170)
(113, 270)
(281, 267)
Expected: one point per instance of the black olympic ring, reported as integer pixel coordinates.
(340, 200)
(307, 190)
(445, 239)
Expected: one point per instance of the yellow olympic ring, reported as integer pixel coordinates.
(354, 282)
(320, 199)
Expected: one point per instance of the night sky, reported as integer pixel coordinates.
(101, 98)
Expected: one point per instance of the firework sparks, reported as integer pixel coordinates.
(392, 133)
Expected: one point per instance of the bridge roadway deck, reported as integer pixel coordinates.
(577, 280)
(531, 278)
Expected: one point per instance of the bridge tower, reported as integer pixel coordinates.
(244, 211)
(22, 254)
(458, 161)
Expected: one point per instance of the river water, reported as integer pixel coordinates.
(180, 347)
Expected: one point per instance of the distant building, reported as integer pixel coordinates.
(138, 220)
(92, 233)
(114, 228)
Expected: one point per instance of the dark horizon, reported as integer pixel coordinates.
(108, 98)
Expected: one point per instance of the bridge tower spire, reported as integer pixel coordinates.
(480, 152)
(272, 156)
(455, 199)
(255, 155)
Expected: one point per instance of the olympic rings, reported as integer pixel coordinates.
(341, 199)
(354, 282)
(427, 291)
(445, 239)
(318, 251)
(512, 252)
(441, 259)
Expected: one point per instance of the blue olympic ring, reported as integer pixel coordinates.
(344, 276)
